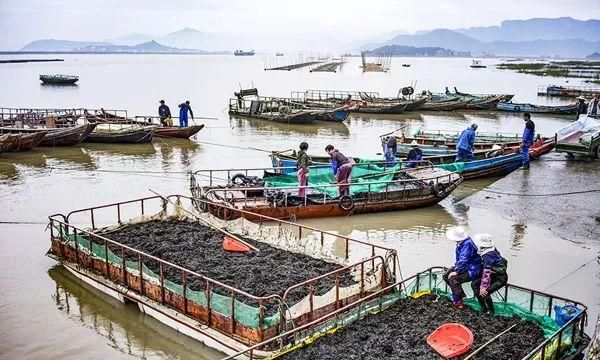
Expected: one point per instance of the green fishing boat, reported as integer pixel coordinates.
(58, 79)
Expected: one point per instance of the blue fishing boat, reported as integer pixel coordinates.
(491, 167)
(530, 108)
(336, 115)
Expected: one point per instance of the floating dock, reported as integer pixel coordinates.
(329, 67)
(295, 66)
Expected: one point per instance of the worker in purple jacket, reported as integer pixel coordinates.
(468, 263)
(493, 277)
(528, 137)
(342, 169)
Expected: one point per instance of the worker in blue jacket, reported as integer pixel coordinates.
(528, 137)
(390, 150)
(465, 143)
(493, 275)
(183, 114)
(468, 263)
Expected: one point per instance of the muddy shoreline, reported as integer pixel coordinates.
(200, 249)
(401, 331)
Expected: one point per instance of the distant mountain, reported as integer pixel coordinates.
(131, 39)
(537, 29)
(457, 41)
(399, 50)
(60, 45)
(594, 56)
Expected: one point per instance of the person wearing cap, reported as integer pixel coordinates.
(415, 155)
(164, 113)
(342, 169)
(528, 137)
(465, 143)
(390, 149)
(468, 263)
(581, 106)
(493, 276)
(183, 113)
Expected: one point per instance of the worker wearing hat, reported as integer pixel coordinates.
(465, 144)
(581, 106)
(493, 276)
(468, 263)
(415, 155)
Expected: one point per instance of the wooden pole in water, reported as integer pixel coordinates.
(225, 232)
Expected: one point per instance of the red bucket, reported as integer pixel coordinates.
(451, 340)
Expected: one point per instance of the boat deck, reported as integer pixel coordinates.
(573, 138)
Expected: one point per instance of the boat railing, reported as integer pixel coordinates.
(267, 104)
(36, 116)
(78, 239)
(332, 94)
(452, 134)
(381, 188)
(559, 344)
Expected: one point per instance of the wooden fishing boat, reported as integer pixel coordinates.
(336, 115)
(178, 132)
(446, 141)
(445, 105)
(530, 108)
(271, 109)
(380, 108)
(121, 134)
(488, 103)
(507, 97)
(21, 141)
(412, 188)
(64, 136)
(58, 79)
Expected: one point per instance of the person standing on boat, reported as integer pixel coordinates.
(342, 169)
(390, 150)
(302, 165)
(594, 106)
(164, 113)
(465, 143)
(415, 155)
(493, 276)
(467, 266)
(183, 113)
(528, 138)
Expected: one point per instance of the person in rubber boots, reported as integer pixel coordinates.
(342, 169)
(302, 164)
(468, 263)
(493, 276)
(465, 143)
(528, 137)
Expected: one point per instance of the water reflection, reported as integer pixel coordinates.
(129, 150)
(71, 155)
(271, 127)
(168, 148)
(123, 326)
(519, 231)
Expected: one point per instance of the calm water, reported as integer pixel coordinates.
(46, 313)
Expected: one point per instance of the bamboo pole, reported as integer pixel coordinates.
(489, 342)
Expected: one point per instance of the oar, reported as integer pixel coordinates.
(205, 222)
(489, 342)
(400, 128)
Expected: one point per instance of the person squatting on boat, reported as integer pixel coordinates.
(493, 276)
(165, 114)
(467, 265)
(415, 155)
(465, 143)
(528, 138)
(390, 150)
(342, 169)
(183, 113)
(302, 164)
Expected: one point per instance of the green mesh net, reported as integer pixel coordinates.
(365, 177)
(245, 314)
(456, 167)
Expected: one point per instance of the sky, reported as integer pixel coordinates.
(22, 21)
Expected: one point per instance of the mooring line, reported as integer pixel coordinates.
(596, 257)
(532, 195)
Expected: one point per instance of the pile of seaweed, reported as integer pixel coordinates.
(401, 331)
(199, 248)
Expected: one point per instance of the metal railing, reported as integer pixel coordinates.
(68, 235)
(332, 94)
(575, 326)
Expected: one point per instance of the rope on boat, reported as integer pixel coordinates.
(532, 195)
(596, 257)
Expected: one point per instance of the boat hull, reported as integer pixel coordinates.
(68, 137)
(333, 115)
(530, 108)
(136, 136)
(304, 118)
(24, 142)
(381, 109)
(177, 132)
